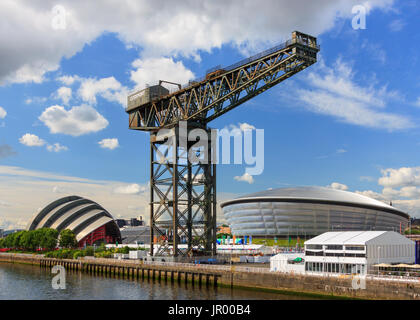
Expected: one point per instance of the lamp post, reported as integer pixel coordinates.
(379, 248)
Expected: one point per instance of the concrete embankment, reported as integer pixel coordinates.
(249, 278)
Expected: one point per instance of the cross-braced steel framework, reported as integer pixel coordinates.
(200, 102)
(183, 195)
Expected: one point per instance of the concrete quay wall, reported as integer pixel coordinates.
(228, 276)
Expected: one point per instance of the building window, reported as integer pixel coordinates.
(314, 246)
(355, 247)
(334, 247)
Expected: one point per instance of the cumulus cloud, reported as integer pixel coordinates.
(109, 143)
(401, 186)
(334, 91)
(68, 80)
(108, 88)
(64, 93)
(56, 147)
(133, 188)
(184, 29)
(77, 121)
(32, 140)
(338, 186)
(246, 177)
(3, 113)
(246, 126)
(234, 129)
(401, 177)
(151, 70)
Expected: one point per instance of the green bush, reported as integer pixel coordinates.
(89, 251)
(124, 250)
(78, 254)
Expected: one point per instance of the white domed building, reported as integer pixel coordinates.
(309, 211)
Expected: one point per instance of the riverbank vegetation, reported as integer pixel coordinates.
(52, 244)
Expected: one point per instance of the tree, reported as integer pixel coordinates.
(49, 238)
(68, 239)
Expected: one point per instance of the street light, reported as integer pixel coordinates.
(379, 248)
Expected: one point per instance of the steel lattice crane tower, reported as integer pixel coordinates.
(183, 193)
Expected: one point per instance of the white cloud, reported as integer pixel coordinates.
(109, 143)
(401, 177)
(130, 189)
(56, 147)
(401, 186)
(338, 186)
(417, 103)
(246, 126)
(166, 29)
(234, 129)
(64, 93)
(3, 113)
(77, 121)
(341, 151)
(246, 177)
(334, 92)
(151, 70)
(31, 140)
(36, 100)
(373, 195)
(108, 88)
(57, 189)
(397, 25)
(68, 80)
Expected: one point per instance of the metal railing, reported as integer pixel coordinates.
(240, 63)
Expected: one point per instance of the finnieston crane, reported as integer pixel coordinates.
(182, 193)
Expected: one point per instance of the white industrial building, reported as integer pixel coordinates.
(355, 252)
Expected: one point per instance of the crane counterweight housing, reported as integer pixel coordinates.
(182, 210)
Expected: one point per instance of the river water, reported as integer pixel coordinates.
(25, 282)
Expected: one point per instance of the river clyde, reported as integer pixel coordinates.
(25, 282)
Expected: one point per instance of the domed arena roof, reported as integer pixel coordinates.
(81, 215)
(316, 195)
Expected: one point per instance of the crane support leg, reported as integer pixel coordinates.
(182, 192)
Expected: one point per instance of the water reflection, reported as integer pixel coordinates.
(19, 281)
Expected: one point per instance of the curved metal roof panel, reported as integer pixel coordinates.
(73, 212)
(93, 226)
(316, 194)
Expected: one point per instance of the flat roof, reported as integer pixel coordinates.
(345, 237)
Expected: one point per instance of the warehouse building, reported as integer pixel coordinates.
(135, 235)
(308, 212)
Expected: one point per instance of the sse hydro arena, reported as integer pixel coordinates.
(309, 211)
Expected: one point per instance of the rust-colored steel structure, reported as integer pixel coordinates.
(182, 193)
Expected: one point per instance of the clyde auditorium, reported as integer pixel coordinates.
(309, 211)
(89, 221)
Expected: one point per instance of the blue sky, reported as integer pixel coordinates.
(350, 121)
